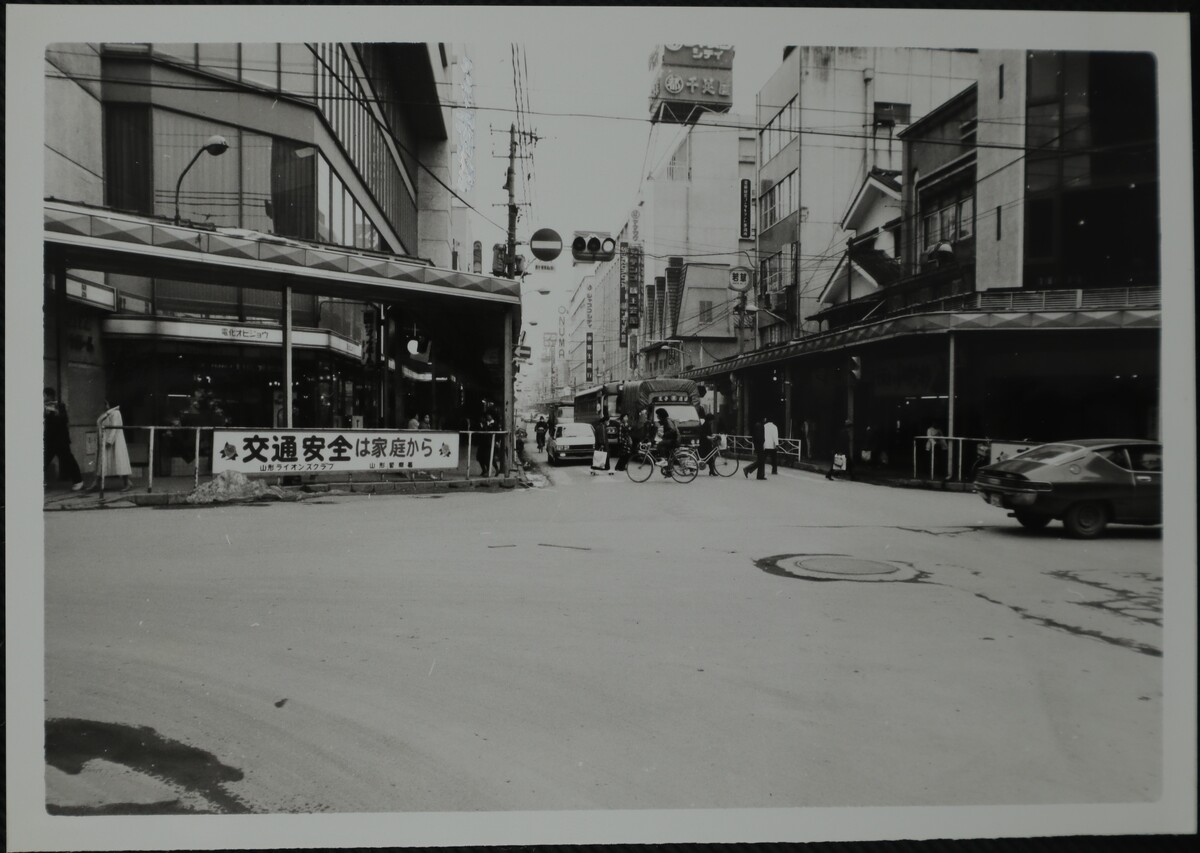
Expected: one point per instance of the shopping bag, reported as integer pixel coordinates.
(839, 462)
(599, 458)
(722, 441)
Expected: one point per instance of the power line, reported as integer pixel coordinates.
(809, 131)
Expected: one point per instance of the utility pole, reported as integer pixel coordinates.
(510, 256)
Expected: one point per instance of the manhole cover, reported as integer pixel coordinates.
(837, 567)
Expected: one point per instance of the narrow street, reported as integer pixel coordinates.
(598, 643)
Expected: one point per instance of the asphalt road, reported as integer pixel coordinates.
(598, 644)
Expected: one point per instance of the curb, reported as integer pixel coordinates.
(293, 494)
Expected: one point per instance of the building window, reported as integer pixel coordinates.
(779, 131)
(211, 191)
(948, 221)
(127, 158)
(890, 114)
(706, 311)
(260, 65)
(779, 201)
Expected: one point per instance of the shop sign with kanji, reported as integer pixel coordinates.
(331, 451)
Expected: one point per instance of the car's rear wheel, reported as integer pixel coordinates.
(1032, 521)
(1086, 520)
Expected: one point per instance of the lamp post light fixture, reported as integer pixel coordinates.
(215, 145)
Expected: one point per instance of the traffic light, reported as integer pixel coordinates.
(856, 367)
(589, 246)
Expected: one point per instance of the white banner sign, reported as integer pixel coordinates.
(313, 451)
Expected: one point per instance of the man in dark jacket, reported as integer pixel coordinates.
(758, 437)
(56, 439)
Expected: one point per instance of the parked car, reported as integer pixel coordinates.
(1087, 484)
(570, 441)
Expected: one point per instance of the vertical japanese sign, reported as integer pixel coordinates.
(332, 451)
(588, 359)
(633, 300)
(745, 232)
(624, 270)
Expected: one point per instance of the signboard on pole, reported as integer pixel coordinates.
(332, 451)
(745, 231)
(588, 372)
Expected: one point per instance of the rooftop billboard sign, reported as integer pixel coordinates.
(687, 79)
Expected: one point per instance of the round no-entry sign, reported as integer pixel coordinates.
(545, 244)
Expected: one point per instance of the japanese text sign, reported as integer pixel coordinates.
(332, 451)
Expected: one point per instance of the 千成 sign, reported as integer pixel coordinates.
(331, 451)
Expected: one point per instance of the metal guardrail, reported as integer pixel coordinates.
(945, 454)
(155, 431)
(788, 447)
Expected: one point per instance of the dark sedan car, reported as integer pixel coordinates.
(1087, 484)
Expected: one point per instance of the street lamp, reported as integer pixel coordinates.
(216, 146)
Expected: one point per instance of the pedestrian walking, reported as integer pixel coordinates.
(758, 437)
(842, 461)
(708, 441)
(56, 440)
(488, 453)
(111, 443)
(539, 430)
(771, 443)
(602, 440)
(624, 442)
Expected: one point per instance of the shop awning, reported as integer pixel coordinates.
(1132, 307)
(101, 239)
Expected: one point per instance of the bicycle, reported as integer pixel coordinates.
(726, 466)
(681, 466)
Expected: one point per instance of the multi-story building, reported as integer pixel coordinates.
(1003, 281)
(688, 227)
(233, 226)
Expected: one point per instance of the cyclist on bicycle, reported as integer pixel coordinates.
(668, 436)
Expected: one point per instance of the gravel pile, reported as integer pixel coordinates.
(232, 486)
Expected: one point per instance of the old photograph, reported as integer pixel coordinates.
(512, 429)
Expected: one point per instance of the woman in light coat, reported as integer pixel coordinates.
(111, 442)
